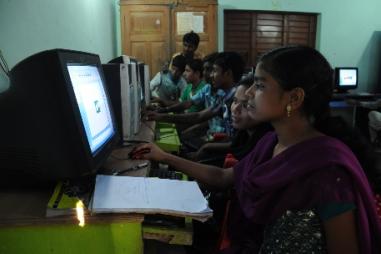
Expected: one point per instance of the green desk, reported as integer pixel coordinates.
(167, 138)
(25, 229)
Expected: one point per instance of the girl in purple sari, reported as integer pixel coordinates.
(300, 190)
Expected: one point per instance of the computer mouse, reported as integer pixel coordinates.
(135, 153)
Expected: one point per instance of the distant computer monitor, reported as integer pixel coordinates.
(120, 89)
(346, 78)
(58, 122)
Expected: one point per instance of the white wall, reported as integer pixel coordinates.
(30, 26)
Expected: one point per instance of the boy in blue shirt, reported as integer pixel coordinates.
(167, 86)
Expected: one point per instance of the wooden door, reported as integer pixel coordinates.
(199, 17)
(146, 34)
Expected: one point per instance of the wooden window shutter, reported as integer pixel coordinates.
(251, 33)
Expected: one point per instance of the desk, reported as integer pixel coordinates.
(356, 119)
(24, 228)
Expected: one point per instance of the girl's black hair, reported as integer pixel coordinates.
(305, 67)
(247, 80)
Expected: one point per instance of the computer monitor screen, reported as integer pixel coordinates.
(59, 120)
(92, 102)
(346, 78)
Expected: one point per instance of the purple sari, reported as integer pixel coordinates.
(299, 178)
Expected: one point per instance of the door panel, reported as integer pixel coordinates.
(202, 20)
(145, 34)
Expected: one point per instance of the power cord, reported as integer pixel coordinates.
(3, 64)
(149, 127)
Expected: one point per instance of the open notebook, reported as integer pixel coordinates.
(125, 194)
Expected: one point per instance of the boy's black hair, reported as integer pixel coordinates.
(231, 61)
(210, 58)
(196, 65)
(191, 38)
(179, 61)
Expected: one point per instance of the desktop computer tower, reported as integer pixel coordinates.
(147, 91)
(120, 91)
(135, 97)
(144, 83)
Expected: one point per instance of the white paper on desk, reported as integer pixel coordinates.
(140, 194)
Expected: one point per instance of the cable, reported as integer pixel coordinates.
(149, 127)
(167, 136)
(3, 64)
(130, 142)
(119, 158)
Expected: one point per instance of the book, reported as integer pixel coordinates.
(124, 194)
(65, 197)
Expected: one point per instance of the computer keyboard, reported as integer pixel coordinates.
(164, 173)
(354, 96)
(361, 96)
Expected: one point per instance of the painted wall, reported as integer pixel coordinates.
(349, 31)
(27, 27)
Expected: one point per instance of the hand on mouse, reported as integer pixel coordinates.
(148, 152)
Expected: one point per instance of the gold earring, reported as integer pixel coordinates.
(289, 109)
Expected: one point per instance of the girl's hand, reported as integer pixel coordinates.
(149, 152)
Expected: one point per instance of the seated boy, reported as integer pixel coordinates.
(167, 86)
(193, 75)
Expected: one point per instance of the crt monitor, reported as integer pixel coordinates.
(346, 78)
(58, 120)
